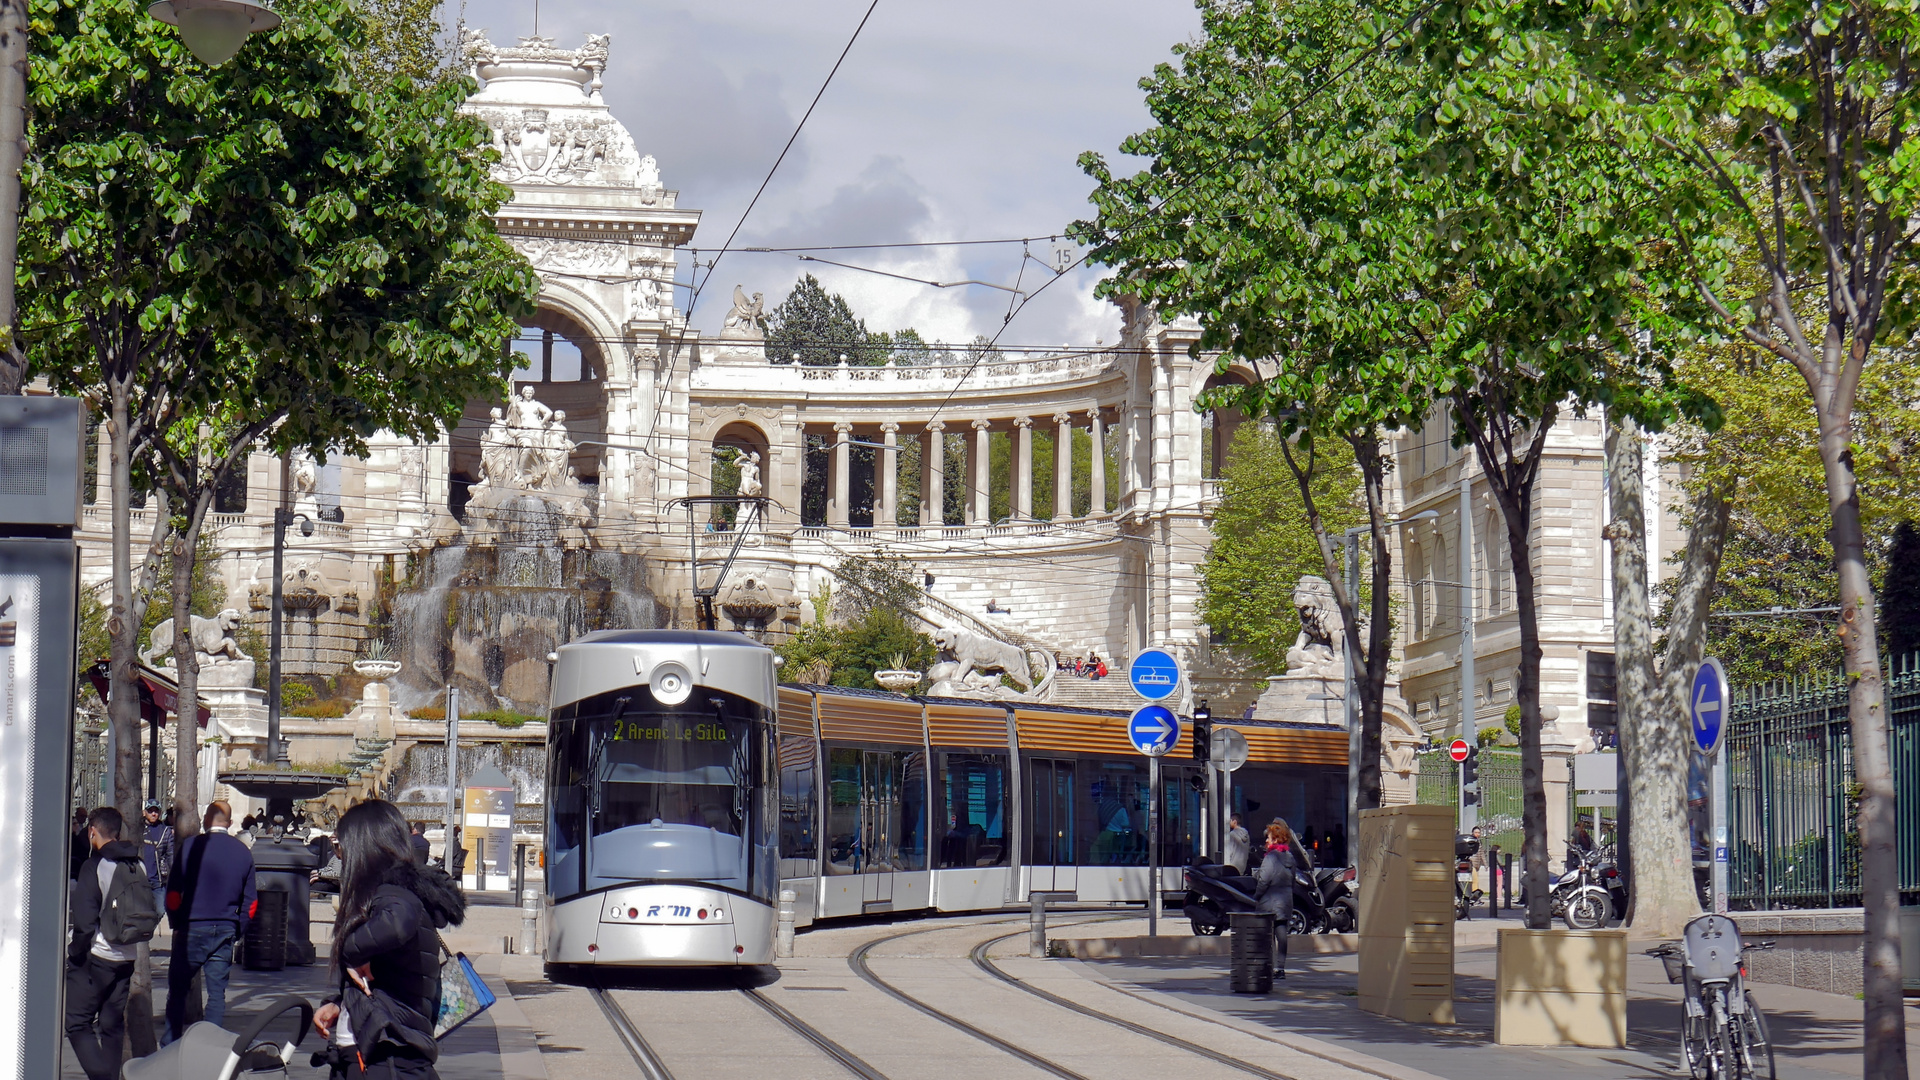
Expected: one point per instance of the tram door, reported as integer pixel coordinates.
(1050, 837)
(879, 817)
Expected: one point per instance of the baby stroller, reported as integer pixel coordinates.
(210, 1052)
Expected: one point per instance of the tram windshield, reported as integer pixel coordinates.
(658, 794)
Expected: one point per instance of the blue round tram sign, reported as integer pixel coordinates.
(1154, 674)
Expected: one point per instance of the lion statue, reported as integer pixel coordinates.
(211, 637)
(976, 652)
(1319, 647)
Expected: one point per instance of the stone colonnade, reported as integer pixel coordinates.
(977, 467)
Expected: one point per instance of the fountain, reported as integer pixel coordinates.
(519, 581)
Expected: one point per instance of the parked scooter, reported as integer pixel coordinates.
(1323, 899)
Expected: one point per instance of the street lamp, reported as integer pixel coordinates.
(1352, 703)
(214, 30)
(282, 517)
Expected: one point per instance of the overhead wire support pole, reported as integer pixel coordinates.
(703, 595)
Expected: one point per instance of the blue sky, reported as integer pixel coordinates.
(958, 120)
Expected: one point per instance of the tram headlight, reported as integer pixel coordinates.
(671, 682)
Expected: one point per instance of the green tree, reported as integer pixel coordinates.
(1802, 116)
(855, 650)
(820, 327)
(283, 251)
(1263, 543)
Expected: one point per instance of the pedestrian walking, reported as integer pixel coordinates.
(112, 912)
(1239, 845)
(156, 851)
(421, 847)
(1273, 889)
(210, 897)
(78, 850)
(386, 951)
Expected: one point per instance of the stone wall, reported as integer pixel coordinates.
(1813, 950)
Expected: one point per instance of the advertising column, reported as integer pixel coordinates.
(40, 454)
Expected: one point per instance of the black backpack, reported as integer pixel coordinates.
(128, 915)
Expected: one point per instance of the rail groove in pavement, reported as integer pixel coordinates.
(847, 1059)
(644, 1056)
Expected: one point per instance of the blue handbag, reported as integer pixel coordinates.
(463, 993)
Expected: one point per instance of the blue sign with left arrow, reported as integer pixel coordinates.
(1707, 705)
(1154, 729)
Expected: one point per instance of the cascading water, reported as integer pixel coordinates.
(420, 786)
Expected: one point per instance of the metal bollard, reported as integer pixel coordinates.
(783, 935)
(529, 922)
(1037, 923)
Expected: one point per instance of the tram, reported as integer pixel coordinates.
(686, 789)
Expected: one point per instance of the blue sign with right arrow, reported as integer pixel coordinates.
(1707, 706)
(1154, 729)
(1154, 674)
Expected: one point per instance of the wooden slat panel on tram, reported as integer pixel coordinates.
(1294, 746)
(1085, 733)
(856, 718)
(966, 725)
(795, 712)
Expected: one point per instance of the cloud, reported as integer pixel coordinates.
(946, 121)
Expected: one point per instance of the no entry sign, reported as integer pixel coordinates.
(1458, 750)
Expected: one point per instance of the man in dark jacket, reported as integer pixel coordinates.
(98, 971)
(210, 897)
(156, 850)
(78, 848)
(421, 847)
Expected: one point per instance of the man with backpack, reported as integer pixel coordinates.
(210, 897)
(112, 913)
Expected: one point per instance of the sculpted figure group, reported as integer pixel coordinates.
(526, 446)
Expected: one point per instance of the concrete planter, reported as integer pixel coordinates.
(1561, 988)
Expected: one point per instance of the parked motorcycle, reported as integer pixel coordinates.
(1465, 896)
(1323, 899)
(1579, 895)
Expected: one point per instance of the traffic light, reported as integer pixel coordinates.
(1470, 768)
(1202, 733)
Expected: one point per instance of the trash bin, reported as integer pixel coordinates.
(264, 948)
(1252, 952)
(284, 863)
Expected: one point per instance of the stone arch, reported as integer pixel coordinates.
(561, 338)
(1220, 425)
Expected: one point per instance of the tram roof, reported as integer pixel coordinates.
(703, 638)
(1039, 706)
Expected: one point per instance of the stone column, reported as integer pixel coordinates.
(979, 474)
(887, 515)
(1023, 468)
(1556, 769)
(1097, 478)
(837, 507)
(1062, 466)
(933, 475)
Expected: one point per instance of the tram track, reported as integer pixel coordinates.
(644, 1055)
(847, 1058)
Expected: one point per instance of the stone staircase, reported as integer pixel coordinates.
(1111, 692)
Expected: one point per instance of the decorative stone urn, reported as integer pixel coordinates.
(377, 669)
(897, 680)
(376, 701)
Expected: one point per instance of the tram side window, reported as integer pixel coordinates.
(1114, 832)
(876, 810)
(975, 791)
(799, 843)
(567, 821)
(844, 840)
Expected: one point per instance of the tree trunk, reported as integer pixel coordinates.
(186, 731)
(1663, 853)
(1536, 876)
(1885, 1035)
(13, 147)
(1653, 749)
(123, 624)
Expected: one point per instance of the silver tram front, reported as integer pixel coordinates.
(662, 821)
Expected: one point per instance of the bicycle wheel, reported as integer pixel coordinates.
(1720, 1033)
(1756, 1044)
(1696, 1054)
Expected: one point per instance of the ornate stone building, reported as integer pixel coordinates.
(626, 411)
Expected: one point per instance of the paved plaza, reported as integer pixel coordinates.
(850, 996)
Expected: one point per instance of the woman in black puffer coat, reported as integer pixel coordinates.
(386, 952)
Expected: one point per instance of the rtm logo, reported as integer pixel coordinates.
(680, 910)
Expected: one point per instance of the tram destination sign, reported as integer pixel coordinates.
(1153, 729)
(1154, 674)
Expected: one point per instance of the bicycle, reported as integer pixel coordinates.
(1723, 1034)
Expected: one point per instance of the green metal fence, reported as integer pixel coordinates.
(1499, 792)
(1793, 832)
